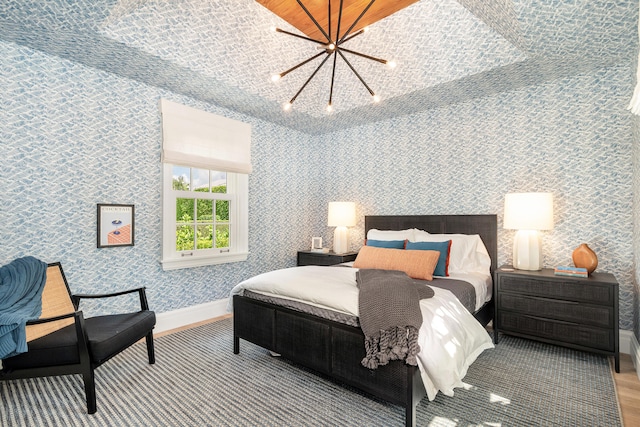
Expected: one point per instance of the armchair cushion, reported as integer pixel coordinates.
(108, 335)
(57, 348)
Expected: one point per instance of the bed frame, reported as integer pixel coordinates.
(335, 349)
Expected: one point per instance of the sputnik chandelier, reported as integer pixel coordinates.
(331, 46)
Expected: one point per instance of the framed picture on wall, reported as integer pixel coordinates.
(115, 225)
(316, 243)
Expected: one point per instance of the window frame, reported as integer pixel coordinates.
(238, 250)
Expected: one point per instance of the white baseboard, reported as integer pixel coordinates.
(625, 341)
(188, 315)
(635, 353)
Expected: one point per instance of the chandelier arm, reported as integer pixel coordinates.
(339, 20)
(356, 73)
(329, 19)
(352, 36)
(301, 64)
(333, 76)
(373, 58)
(310, 77)
(279, 30)
(355, 22)
(314, 20)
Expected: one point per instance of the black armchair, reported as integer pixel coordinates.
(63, 342)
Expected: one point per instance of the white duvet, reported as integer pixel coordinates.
(450, 337)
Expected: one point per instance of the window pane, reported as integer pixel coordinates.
(181, 178)
(218, 182)
(184, 210)
(204, 210)
(200, 180)
(185, 237)
(222, 210)
(205, 236)
(222, 236)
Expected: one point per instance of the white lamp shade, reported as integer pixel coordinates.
(528, 211)
(342, 214)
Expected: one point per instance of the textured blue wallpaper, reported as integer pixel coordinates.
(73, 137)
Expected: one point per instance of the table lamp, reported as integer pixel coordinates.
(341, 216)
(528, 213)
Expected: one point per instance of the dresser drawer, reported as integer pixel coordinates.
(557, 331)
(572, 290)
(569, 311)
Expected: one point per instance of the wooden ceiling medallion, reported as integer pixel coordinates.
(290, 11)
(330, 24)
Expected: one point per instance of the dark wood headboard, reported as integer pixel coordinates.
(484, 225)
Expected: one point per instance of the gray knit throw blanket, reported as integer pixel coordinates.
(390, 316)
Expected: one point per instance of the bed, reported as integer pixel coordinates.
(336, 349)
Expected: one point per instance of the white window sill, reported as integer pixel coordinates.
(175, 264)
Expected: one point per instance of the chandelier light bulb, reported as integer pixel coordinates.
(275, 77)
(376, 98)
(286, 106)
(329, 108)
(273, 28)
(391, 64)
(365, 29)
(331, 46)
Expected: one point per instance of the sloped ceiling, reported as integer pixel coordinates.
(222, 51)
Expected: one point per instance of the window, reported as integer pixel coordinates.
(205, 197)
(205, 215)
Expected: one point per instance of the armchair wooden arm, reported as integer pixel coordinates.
(144, 305)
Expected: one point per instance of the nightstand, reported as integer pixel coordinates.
(329, 258)
(575, 312)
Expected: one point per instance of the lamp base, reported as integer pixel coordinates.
(527, 250)
(340, 240)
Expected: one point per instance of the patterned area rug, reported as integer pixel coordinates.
(198, 381)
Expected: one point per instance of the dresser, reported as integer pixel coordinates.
(324, 258)
(576, 312)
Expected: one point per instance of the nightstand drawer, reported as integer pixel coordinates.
(322, 258)
(572, 290)
(567, 333)
(593, 315)
(311, 259)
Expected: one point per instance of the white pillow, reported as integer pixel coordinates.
(468, 252)
(375, 234)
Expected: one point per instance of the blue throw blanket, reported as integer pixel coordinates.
(21, 285)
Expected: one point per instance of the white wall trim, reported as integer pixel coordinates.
(188, 315)
(625, 341)
(635, 353)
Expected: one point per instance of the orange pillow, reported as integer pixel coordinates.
(418, 264)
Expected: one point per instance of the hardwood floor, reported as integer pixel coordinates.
(627, 382)
(628, 387)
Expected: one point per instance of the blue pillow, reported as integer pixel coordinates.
(442, 268)
(389, 244)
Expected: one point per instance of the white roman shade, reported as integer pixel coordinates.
(191, 137)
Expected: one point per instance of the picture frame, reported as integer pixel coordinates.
(116, 226)
(316, 243)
